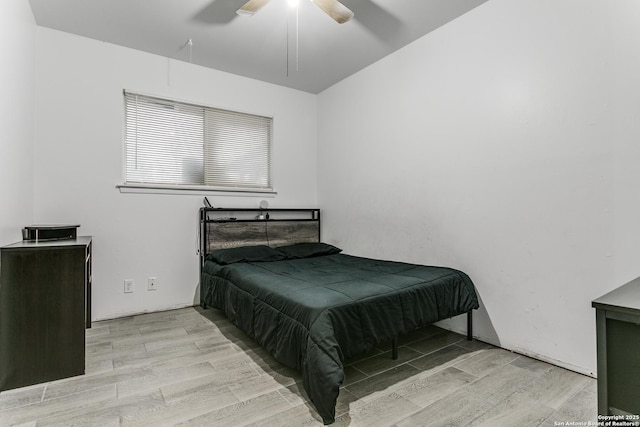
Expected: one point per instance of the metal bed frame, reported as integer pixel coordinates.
(269, 219)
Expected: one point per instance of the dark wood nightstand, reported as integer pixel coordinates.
(45, 306)
(618, 336)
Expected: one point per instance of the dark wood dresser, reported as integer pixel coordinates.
(45, 306)
(618, 345)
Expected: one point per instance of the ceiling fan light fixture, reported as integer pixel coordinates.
(336, 10)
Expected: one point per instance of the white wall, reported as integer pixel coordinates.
(625, 104)
(504, 144)
(17, 29)
(78, 145)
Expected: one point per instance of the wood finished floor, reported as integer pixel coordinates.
(192, 367)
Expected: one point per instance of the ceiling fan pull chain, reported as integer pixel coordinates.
(297, 38)
(287, 56)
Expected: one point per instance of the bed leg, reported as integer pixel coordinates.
(394, 347)
(203, 305)
(470, 325)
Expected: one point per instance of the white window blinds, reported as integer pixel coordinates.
(170, 142)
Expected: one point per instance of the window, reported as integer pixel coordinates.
(173, 143)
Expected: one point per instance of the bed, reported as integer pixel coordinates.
(308, 304)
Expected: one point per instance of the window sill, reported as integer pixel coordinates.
(192, 190)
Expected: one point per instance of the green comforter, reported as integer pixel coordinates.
(313, 314)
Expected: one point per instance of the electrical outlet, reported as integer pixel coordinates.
(152, 284)
(128, 286)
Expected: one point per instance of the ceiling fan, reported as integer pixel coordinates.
(336, 10)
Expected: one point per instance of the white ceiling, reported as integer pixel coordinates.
(303, 49)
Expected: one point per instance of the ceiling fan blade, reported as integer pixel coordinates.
(251, 7)
(339, 12)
